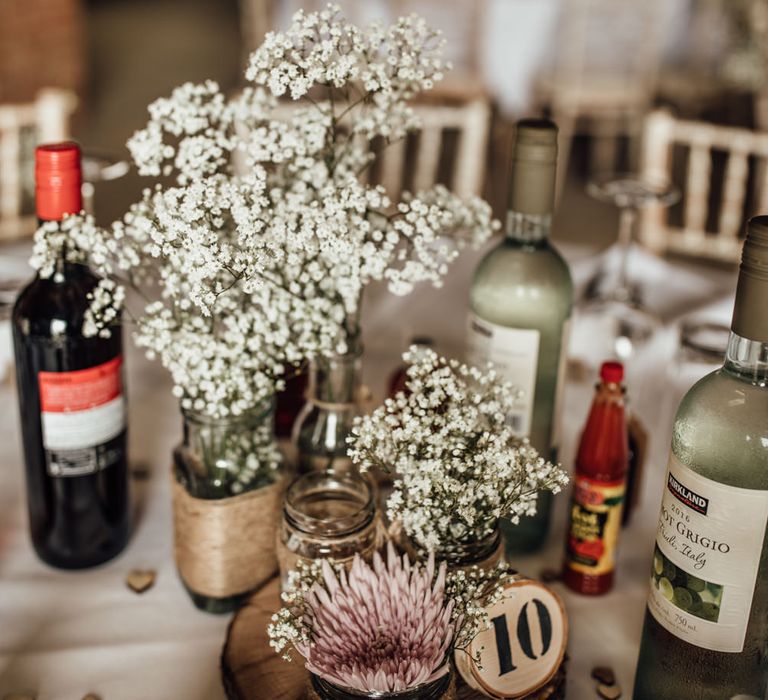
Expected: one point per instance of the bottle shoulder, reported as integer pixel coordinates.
(44, 302)
(511, 263)
(721, 430)
(522, 286)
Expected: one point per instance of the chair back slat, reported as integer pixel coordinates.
(10, 170)
(697, 186)
(734, 191)
(744, 190)
(428, 160)
(392, 166)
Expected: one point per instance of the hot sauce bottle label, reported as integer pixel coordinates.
(83, 417)
(595, 524)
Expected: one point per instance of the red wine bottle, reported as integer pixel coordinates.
(71, 399)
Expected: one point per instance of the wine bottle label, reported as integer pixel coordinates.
(83, 414)
(595, 524)
(515, 354)
(708, 549)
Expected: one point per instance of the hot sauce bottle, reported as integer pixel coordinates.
(599, 489)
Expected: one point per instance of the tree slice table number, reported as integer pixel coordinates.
(521, 653)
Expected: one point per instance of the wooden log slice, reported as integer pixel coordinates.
(251, 670)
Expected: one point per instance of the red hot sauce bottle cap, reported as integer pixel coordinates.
(612, 372)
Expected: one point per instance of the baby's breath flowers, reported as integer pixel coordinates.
(384, 627)
(256, 255)
(459, 466)
(305, 220)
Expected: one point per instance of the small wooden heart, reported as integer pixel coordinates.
(91, 696)
(609, 692)
(604, 674)
(140, 581)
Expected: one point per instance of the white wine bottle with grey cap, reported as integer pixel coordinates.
(705, 635)
(520, 304)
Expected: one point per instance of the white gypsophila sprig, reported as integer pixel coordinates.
(257, 255)
(459, 466)
(304, 163)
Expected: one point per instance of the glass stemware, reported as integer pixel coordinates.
(613, 303)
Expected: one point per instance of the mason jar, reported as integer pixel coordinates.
(327, 515)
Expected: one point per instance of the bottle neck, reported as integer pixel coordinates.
(747, 360)
(335, 380)
(528, 228)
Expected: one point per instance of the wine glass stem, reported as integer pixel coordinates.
(626, 226)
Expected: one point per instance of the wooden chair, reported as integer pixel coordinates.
(713, 215)
(22, 127)
(418, 162)
(602, 78)
(465, 175)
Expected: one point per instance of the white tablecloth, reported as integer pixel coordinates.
(63, 635)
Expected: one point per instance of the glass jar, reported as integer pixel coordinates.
(221, 457)
(485, 553)
(324, 424)
(441, 689)
(327, 516)
(226, 504)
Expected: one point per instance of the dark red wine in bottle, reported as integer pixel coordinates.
(71, 398)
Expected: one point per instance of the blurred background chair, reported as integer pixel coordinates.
(22, 127)
(451, 148)
(601, 79)
(721, 171)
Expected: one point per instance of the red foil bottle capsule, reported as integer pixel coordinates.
(599, 489)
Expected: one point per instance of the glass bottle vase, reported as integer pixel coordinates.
(321, 430)
(226, 498)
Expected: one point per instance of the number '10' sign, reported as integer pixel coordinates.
(523, 647)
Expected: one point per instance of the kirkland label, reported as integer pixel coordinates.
(83, 414)
(707, 555)
(515, 353)
(595, 524)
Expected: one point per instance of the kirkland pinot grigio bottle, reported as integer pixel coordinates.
(706, 625)
(73, 413)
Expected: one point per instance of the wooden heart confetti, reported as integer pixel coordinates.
(604, 674)
(549, 575)
(140, 581)
(609, 692)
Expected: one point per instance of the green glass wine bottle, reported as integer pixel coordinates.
(520, 305)
(705, 634)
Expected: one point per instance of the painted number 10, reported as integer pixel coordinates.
(523, 633)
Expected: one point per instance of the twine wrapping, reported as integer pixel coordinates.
(225, 547)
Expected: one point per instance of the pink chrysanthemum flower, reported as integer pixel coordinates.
(382, 628)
